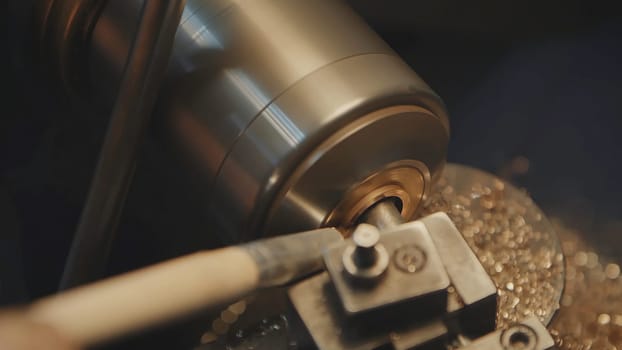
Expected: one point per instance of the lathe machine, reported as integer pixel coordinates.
(293, 169)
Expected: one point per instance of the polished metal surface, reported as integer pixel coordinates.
(277, 111)
(384, 215)
(388, 153)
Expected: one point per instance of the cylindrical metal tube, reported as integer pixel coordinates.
(283, 115)
(143, 75)
(384, 215)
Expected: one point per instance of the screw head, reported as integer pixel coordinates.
(409, 258)
(519, 337)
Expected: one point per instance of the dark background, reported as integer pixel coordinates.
(535, 83)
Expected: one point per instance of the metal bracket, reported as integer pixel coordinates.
(433, 291)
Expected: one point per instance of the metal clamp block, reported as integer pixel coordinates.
(414, 284)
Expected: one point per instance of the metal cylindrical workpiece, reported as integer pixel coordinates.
(284, 115)
(384, 215)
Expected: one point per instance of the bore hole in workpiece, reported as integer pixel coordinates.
(520, 340)
(397, 201)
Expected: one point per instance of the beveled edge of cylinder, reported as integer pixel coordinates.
(408, 180)
(382, 81)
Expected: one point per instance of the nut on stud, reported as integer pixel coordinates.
(365, 259)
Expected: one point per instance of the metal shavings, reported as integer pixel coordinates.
(519, 249)
(511, 237)
(591, 314)
(221, 325)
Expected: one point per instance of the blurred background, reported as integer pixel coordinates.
(534, 91)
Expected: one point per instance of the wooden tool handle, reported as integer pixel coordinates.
(149, 296)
